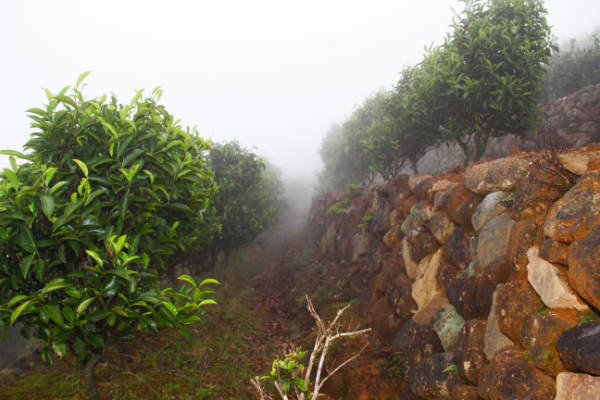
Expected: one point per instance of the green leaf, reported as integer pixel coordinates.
(98, 315)
(84, 305)
(80, 348)
(17, 299)
(171, 307)
(209, 281)
(69, 315)
(48, 205)
(14, 181)
(15, 314)
(300, 384)
(95, 194)
(54, 314)
(56, 284)
(65, 99)
(26, 264)
(82, 165)
(96, 257)
(186, 335)
(206, 302)
(49, 174)
(96, 340)
(57, 186)
(119, 272)
(13, 164)
(70, 208)
(188, 279)
(28, 157)
(81, 78)
(60, 348)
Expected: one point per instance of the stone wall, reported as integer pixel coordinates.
(485, 280)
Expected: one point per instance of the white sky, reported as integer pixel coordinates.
(272, 74)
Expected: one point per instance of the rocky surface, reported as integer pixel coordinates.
(448, 323)
(515, 300)
(492, 206)
(493, 240)
(434, 378)
(570, 386)
(584, 267)
(579, 348)
(494, 339)
(470, 356)
(502, 175)
(462, 204)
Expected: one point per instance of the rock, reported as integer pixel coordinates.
(447, 324)
(494, 339)
(470, 357)
(410, 264)
(393, 239)
(399, 295)
(515, 301)
(575, 162)
(450, 278)
(380, 223)
(440, 200)
(539, 334)
(378, 313)
(465, 393)
(432, 379)
(502, 175)
(443, 185)
(497, 272)
(427, 293)
(416, 219)
(361, 245)
(416, 343)
(584, 267)
(493, 240)
(456, 248)
(408, 204)
(491, 207)
(523, 236)
(393, 264)
(474, 269)
(462, 204)
(510, 377)
(535, 194)
(441, 226)
(570, 386)
(390, 327)
(415, 180)
(554, 252)
(473, 242)
(575, 214)
(579, 348)
(550, 283)
(9, 375)
(424, 189)
(424, 245)
(467, 300)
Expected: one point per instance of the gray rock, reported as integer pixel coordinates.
(448, 324)
(503, 175)
(441, 225)
(494, 339)
(361, 244)
(488, 209)
(493, 240)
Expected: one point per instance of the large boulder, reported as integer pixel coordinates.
(575, 214)
(493, 240)
(515, 301)
(424, 244)
(416, 219)
(470, 357)
(510, 376)
(393, 239)
(570, 386)
(494, 338)
(448, 323)
(462, 204)
(328, 241)
(361, 244)
(424, 189)
(399, 295)
(434, 379)
(456, 248)
(550, 283)
(452, 279)
(467, 299)
(502, 175)
(381, 317)
(554, 252)
(427, 293)
(393, 264)
(409, 262)
(415, 343)
(492, 206)
(579, 348)
(497, 272)
(535, 194)
(441, 226)
(539, 335)
(380, 222)
(584, 267)
(523, 236)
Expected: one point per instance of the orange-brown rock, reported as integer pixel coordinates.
(502, 175)
(434, 379)
(470, 357)
(462, 204)
(584, 267)
(579, 348)
(514, 302)
(392, 265)
(393, 239)
(399, 295)
(441, 226)
(523, 236)
(511, 376)
(383, 320)
(535, 195)
(577, 212)
(497, 272)
(415, 343)
(424, 245)
(554, 252)
(457, 247)
(424, 189)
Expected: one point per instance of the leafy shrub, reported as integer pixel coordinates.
(108, 195)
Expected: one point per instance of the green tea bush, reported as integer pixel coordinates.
(108, 196)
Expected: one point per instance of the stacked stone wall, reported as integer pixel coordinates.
(485, 280)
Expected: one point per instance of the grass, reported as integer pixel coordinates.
(229, 348)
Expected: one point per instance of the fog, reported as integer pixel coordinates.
(272, 74)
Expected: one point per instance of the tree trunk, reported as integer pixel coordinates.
(481, 141)
(88, 375)
(464, 145)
